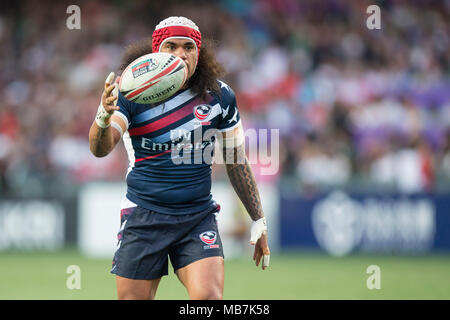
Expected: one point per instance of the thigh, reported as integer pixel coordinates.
(201, 240)
(203, 279)
(198, 261)
(131, 289)
(142, 248)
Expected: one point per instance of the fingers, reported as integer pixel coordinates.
(110, 78)
(262, 252)
(110, 85)
(111, 108)
(258, 237)
(110, 100)
(265, 253)
(257, 258)
(266, 260)
(109, 89)
(110, 93)
(109, 103)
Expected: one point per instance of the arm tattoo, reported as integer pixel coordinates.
(241, 177)
(99, 142)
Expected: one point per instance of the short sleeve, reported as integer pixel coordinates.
(125, 109)
(230, 114)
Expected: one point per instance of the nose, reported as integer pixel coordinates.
(181, 53)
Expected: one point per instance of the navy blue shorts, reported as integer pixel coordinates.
(147, 239)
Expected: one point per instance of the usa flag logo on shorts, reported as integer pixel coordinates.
(209, 238)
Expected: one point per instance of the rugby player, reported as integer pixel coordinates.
(168, 210)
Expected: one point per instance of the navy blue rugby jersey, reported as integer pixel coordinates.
(166, 143)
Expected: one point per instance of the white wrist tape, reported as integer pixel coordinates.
(101, 116)
(259, 227)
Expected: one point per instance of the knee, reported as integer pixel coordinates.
(208, 294)
(129, 289)
(130, 295)
(214, 295)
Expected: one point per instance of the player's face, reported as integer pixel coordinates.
(184, 49)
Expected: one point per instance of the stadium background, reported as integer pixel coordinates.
(364, 127)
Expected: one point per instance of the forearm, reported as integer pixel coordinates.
(102, 137)
(243, 181)
(101, 140)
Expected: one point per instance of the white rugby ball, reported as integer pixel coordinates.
(153, 77)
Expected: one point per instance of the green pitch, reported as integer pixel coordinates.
(291, 276)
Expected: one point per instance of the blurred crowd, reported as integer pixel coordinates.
(355, 108)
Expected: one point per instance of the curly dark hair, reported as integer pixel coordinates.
(207, 72)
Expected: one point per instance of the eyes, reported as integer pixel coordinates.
(172, 47)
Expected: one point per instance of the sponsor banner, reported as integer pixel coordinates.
(31, 225)
(342, 223)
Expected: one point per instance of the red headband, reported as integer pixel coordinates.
(160, 35)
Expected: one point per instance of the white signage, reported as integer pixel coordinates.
(99, 218)
(29, 225)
